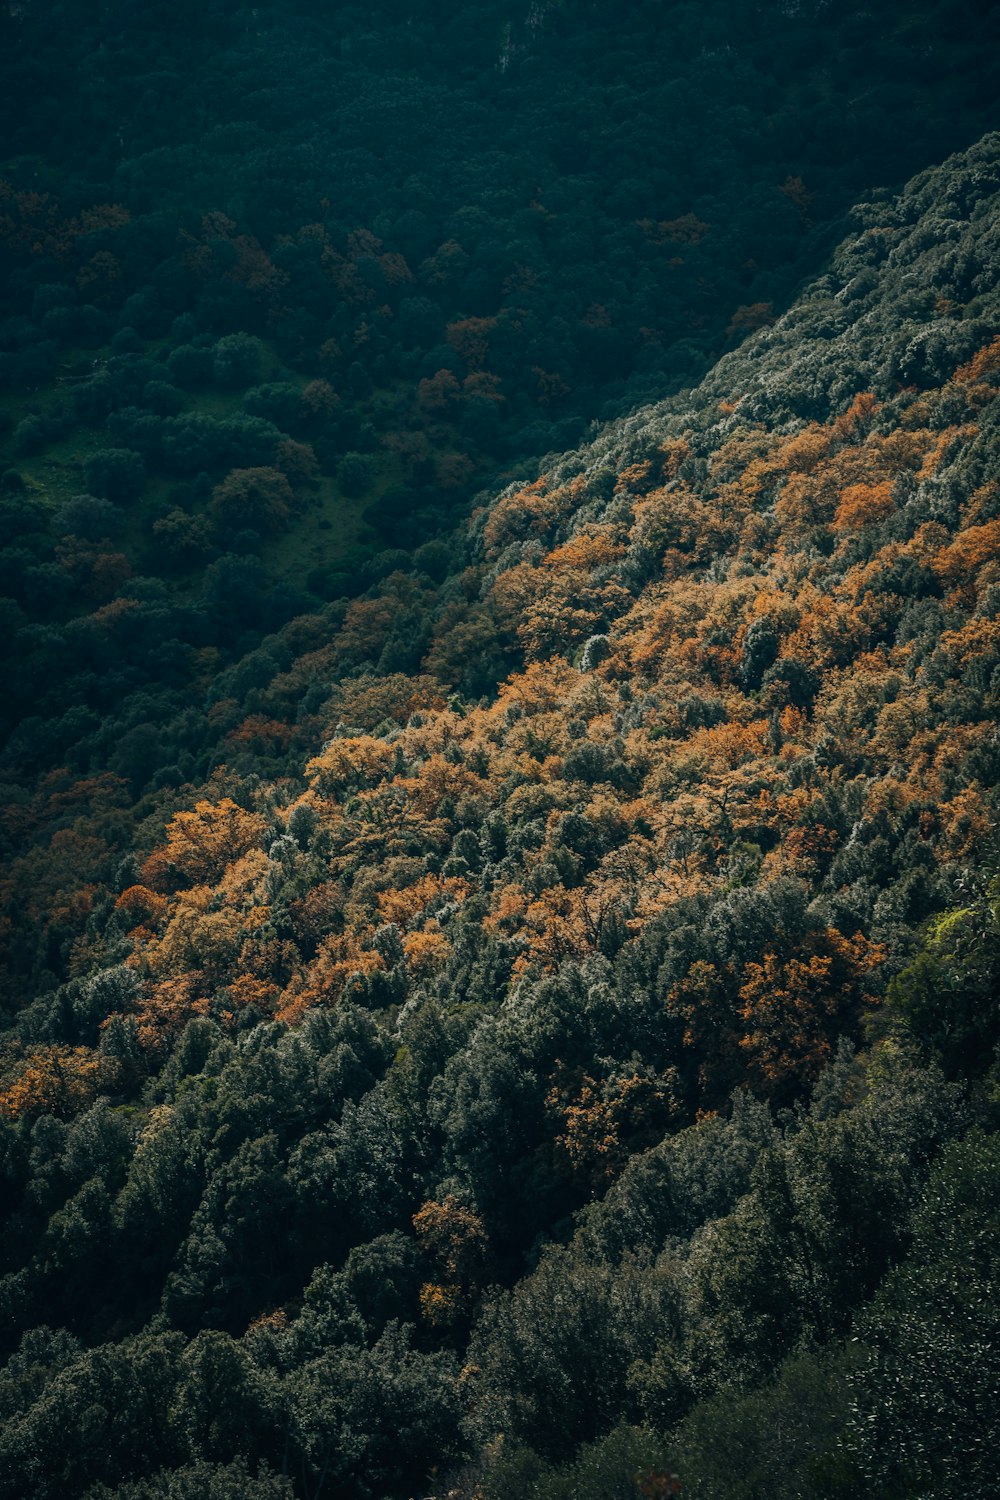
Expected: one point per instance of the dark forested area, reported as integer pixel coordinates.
(283, 288)
(500, 906)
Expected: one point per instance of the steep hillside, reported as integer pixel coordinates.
(557, 1053)
(283, 286)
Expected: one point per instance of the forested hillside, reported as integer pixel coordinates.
(502, 939)
(284, 287)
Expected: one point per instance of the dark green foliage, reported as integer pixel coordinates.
(196, 443)
(236, 360)
(924, 1419)
(947, 997)
(776, 1443)
(374, 1420)
(115, 474)
(554, 1356)
(304, 1197)
(202, 1481)
(610, 1469)
(89, 517)
(80, 1428)
(353, 472)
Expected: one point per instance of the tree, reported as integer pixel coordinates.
(56, 1080)
(551, 1359)
(90, 518)
(863, 505)
(792, 1007)
(354, 473)
(200, 844)
(202, 1481)
(80, 1430)
(925, 1413)
(184, 539)
(946, 996)
(453, 1239)
(115, 474)
(222, 1406)
(784, 1440)
(373, 1421)
(236, 360)
(257, 498)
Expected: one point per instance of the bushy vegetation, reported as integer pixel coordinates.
(509, 1010)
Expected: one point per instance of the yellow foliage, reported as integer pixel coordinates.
(356, 761)
(863, 505)
(426, 950)
(55, 1080)
(724, 781)
(141, 905)
(983, 365)
(407, 906)
(200, 844)
(970, 550)
(591, 548)
(967, 822)
(339, 957)
(793, 1007)
(440, 1305)
(167, 1006)
(531, 512)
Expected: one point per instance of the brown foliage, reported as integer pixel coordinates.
(259, 499)
(794, 1007)
(56, 1080)
(200, 844)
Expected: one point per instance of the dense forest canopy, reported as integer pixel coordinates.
(499, 518)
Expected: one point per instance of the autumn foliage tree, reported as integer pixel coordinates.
(258, 499)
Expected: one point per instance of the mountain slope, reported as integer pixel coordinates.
(531, 1016)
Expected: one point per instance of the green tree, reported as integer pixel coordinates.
(115, 474)
(257, 498)
(928, 1393)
